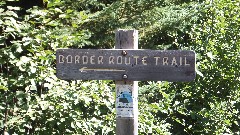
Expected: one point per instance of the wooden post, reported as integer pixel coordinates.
(126, 91)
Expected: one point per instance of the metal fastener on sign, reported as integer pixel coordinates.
(124, 53)
(125, 76)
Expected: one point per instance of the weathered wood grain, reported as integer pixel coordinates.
(127, 125)
(112, 64)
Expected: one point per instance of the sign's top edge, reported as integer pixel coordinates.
(121, 49)
(137, 50)
(98, 49)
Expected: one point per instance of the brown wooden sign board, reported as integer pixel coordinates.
(135, 65)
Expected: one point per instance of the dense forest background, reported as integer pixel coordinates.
(34, 101)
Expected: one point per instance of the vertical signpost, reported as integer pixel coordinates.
(126, 65)
(126, 91)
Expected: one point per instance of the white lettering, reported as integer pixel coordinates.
(92, 59)
(85, 59)
(69, 60)
(156, 58)
(111, 60)
(136, 58)
(180, 63)
(100, 59)
(77, 57)
(61, 59)
(174, 61)
(186, 64)
(119, 60)
(144, 62)
(127, 63)
(165, 60)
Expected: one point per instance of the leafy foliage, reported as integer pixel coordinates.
(34, 101)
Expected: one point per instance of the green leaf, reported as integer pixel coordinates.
(72, 125)
(210, 55)
(3, 87)
(11, 13)
(199, 73)
(79, 125)
(13, 8)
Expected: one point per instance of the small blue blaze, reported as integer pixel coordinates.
(125, 97)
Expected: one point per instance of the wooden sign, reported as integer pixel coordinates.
(113, 64)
